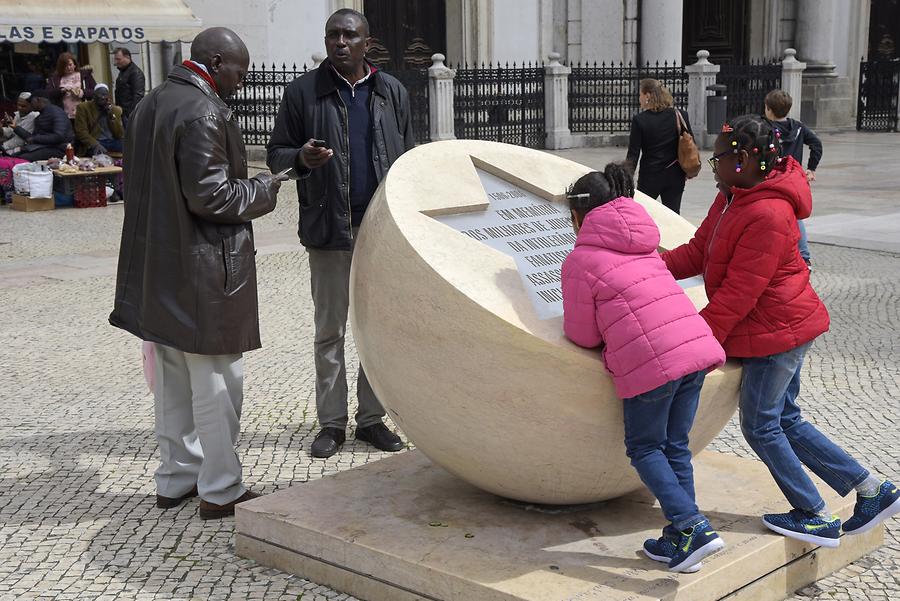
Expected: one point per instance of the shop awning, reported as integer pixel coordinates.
(97, 21)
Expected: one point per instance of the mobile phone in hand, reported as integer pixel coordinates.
(319, 143)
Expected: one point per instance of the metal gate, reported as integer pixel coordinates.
(502, 104)
(879, 89)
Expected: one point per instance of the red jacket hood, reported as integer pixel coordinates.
(621, 225)
(786, 181)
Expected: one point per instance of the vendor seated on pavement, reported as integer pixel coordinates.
(19, 126)
(52, 130)
(98, 124)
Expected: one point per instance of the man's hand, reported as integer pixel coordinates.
(312, 157)
(810, 175)
(100, 149)
(271, 182)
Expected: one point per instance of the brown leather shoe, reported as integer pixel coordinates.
(211, 511)
(170, 502)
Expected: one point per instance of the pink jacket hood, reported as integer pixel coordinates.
(621, 225)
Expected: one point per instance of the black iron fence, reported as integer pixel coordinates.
(501, 104)
(416, 83)
(879, 93)
(256, 105)
(747, 85)
(604, 97)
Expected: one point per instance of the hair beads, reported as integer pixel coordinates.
(757, 136)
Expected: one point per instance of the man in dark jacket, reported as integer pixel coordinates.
(340, 127)
(52, 130)
(187, 274)
(130, 83)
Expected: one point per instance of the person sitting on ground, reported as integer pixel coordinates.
(763, 310)
(19, 127)
(52, 130)
(98, 124)
(618, 293)
(794, 134)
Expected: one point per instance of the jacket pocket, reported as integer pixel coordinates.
(315, 215)
(238, 268)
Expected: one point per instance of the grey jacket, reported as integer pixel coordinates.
(312, 108)
(187, 271)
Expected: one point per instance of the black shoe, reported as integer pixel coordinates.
(379, 437)
(211, 511)
(170, 502)
(327, 442)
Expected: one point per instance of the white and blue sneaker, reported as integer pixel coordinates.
(694, 545)
(663, 549)
(871, 511)
(806, 527)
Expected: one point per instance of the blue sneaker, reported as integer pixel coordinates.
(806, 527)
(871, 511)
(663, 549)
(693, 545)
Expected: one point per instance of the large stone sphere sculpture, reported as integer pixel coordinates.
(452, 344)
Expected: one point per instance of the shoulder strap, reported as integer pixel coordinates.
(679, 122)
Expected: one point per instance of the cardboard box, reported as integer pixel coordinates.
(28, 204)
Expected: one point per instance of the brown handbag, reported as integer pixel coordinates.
(688, 153)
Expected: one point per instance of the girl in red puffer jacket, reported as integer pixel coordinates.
(763, 309)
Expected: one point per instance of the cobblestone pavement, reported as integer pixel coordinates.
(77, 454)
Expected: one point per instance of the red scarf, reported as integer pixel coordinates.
(190, 65)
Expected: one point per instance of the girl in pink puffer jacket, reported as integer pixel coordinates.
(619, 295)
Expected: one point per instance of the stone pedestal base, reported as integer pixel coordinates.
(827, 102)
(402, 528)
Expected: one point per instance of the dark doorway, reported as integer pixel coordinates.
(884, 30)
(405, 33)
(719, 26)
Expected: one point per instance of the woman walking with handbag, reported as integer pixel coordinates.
(661, 136)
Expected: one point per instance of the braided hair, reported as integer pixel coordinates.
(595, 188)
(758, 137)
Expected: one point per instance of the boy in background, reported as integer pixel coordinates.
(794, 135)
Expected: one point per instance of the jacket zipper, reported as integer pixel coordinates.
(347, 146)
(716, 229)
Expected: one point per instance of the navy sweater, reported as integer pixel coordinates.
(363, 180)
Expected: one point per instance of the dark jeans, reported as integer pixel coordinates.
(110, 144)
(668, 183)
(657, 424)
(783, 440)
(42, 154)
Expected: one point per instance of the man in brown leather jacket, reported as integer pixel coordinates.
(187, 273)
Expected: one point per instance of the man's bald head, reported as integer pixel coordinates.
(225, 55)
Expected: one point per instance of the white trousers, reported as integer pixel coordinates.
(198, 412)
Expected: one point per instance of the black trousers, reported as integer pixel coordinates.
(668, 183)
(42, 154)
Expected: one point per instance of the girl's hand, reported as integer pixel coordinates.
(810, 175)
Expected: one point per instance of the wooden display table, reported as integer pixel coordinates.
(88, 187)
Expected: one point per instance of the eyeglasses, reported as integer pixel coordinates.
(714, 160)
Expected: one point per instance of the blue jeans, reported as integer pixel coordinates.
(657, 424)
(111, 144)
(803, 245)
(783, 440)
